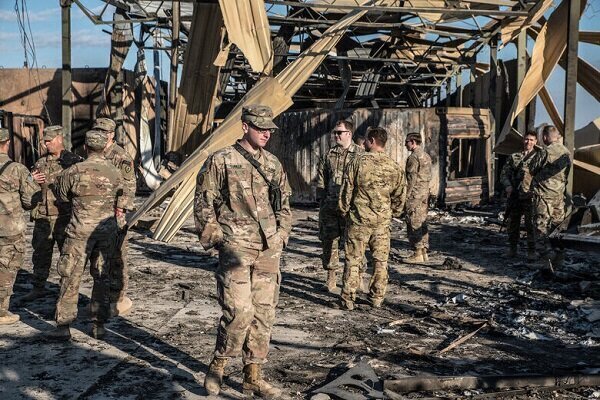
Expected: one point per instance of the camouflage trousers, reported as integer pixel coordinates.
(378, 240)
(46, 232)
(416, 223)
(248, 284)
(549, 213)
(11, 259)
(99, 246)
(332, 228)
(119, 269)
(521, 208)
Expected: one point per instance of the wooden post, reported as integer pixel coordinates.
(459, 90)
(494, 101)
(521, 69)
(571, 83)
(173, 76)
(67, 111)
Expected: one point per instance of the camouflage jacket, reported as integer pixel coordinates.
(232, 202)
(52, 166)
(94, 188)
(418, 175)
(331, 172)
(549, 171)
(373, 190)
(513, 171)
(124, 163)
(18, 191)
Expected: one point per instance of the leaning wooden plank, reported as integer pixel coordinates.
(551, 109)
(511, 26)
(588, 167)
(248, 28)
(549, 47)
(429, 383)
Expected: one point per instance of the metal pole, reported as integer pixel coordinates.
(67, 111)
(521, 69)
(156, 148)
(571, 83)
(472, 88)
(448, 91)
(173, 77)
(459, 89)
(494, 102)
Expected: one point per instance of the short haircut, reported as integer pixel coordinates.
(531, 133)
(347, 124)
(380, 135)
(416, 137)
(551, 130)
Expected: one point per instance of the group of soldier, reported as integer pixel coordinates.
(79, 206)
(242, 211)
(535, 180)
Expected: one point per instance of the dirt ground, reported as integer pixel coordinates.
(535, 324)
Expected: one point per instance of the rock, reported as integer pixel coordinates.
(320, 396)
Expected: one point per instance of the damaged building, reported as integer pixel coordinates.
(468, 324)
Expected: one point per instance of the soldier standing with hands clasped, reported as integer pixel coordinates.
(241, 207)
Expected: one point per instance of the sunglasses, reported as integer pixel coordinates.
(338, 132)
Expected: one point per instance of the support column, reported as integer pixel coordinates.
(174, 63)
(459, 89)
(571, 83)
(472, 88)
(67, 111)
(494, 102)
(521, 69)
(448, 91)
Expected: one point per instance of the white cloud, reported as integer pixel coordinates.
(34, 16)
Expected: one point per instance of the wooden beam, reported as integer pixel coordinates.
(589, 37)
(571, 82)
(552, 110)
(67, 110)
(521, 70)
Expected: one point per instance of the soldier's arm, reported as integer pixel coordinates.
(284, 216)
(347, 189)
(412, 169)
(208, 194)
(321, 181)
(63, 184)
(507, 173)
(129, 183)
(29, 191)
(398, 195)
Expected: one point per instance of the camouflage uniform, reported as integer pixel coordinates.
(372, 192)
(549, 171)
(329, 181)
(119, 274)
(520, 203)
(232, 212)
(50, 216)
(94, 188)
(18, 191)
(418, 176)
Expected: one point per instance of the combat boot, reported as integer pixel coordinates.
(255, 385)
(35, 293)
(6, 317)
(214, 376)
(376, 303)
(60, 333)
(416, 258)
(331, 280)
(121, 307)
(98, 330)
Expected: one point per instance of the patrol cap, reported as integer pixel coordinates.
(50, 132)
(4, 135)
(259, 116)
(104, 124)
(414, 136)
(95, 139)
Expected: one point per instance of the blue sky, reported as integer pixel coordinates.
(91, 47)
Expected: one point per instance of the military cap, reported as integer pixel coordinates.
(4, 135)
(50, 132)
(104, 124)
(96, 139)
(414, 136)
(259, 116)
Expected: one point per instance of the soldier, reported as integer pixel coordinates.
(242, 209)
(418, 176)
(50, 216)
(518, 202)
(18, 191)
(329, 181)
(372, 192)
(94, 188)
(547, 183)
(120, 304)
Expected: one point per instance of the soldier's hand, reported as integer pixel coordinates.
(39, 177)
